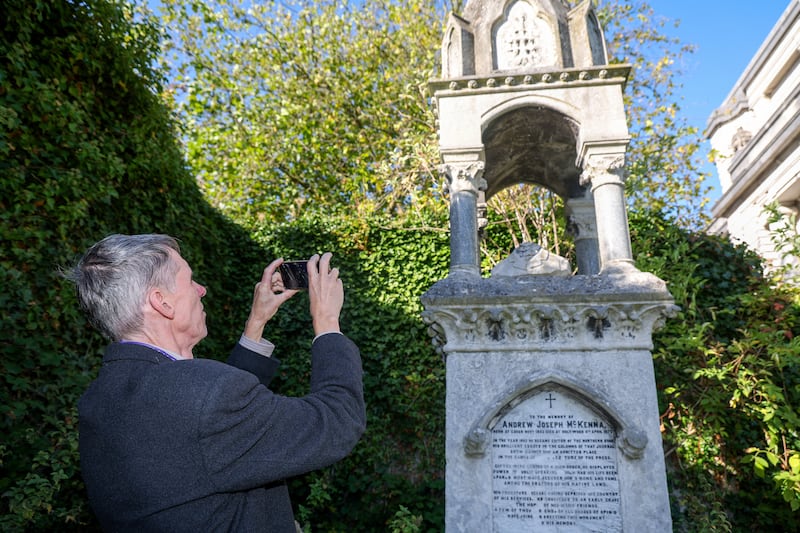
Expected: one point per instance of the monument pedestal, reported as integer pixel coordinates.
(552, 420)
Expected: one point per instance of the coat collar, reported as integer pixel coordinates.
(120, 351)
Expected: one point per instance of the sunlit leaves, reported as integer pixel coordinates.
(305, 105)
(728, 368)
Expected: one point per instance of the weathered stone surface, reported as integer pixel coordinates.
(531, 259)
(552, 419)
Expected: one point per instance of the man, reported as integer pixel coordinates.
(172, 443)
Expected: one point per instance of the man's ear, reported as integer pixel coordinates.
(160, 304)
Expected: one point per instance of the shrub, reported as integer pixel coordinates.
(399, 463)
(728, 370)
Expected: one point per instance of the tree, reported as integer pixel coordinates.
(305, 106)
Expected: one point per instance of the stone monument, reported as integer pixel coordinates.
(552, 420)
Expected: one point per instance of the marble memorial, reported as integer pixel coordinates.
(551, 413)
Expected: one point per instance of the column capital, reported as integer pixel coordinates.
(600, 169)
(463, 176)
(602, 161)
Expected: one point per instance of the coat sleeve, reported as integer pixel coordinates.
(251, 436)
(261, 366)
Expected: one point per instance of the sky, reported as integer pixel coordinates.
(727, 34)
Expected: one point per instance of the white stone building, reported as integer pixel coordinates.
(756, 134)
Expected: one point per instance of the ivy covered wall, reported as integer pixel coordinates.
(86, 149)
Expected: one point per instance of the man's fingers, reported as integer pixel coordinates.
(319, 269)
(286, 294)
(313, 266)
(325, 263)
(267, 277)
(324, 267)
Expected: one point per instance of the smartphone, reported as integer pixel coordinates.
(294, 274)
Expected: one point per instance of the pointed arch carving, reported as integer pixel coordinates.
(630, 439)
(525, 37)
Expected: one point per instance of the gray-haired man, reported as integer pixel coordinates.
(173, 443)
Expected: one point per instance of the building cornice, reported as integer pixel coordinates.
(731, 106)
(760, 154)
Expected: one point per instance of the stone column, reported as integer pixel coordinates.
(583, 227)
(605, 172)
(464, 182)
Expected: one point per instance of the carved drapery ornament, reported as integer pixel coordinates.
(546, 327)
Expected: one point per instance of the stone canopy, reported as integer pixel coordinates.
(527, 96)
(524, 38)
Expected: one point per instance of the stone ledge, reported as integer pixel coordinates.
(629, 285)
(502, 81)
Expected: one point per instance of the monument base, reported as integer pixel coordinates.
(552, 417)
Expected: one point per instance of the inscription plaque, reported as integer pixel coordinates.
(554, 467)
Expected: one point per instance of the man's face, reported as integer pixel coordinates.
(189, 320)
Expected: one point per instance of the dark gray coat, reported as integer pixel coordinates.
(198, 445)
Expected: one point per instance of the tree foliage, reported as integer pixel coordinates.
(86, 149)
(301, 106)
(399, 462)
(728, 370)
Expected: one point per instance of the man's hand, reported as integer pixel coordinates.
(268, 296)
(326, 294)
